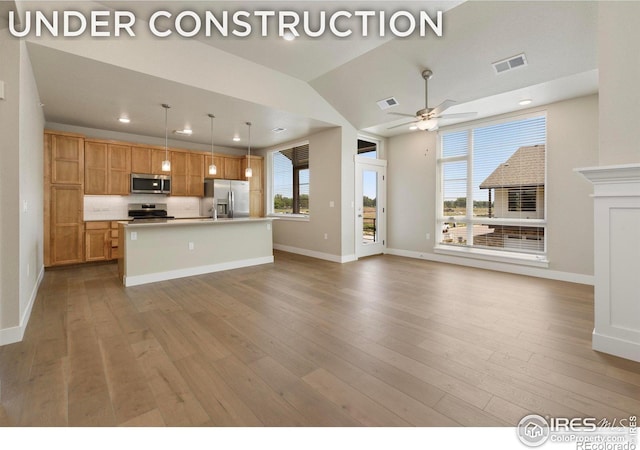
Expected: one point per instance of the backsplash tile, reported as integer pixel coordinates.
(114, 207)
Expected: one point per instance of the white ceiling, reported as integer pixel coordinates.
(558, 38)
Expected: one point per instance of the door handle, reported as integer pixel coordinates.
(359, 215)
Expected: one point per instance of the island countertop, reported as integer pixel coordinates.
(199, 221)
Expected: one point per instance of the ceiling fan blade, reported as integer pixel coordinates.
(401, 125)
(467, 115)
(435, 112)
(401, 114)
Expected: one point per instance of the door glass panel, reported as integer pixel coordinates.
(369, 207)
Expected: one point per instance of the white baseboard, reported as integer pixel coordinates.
(15, 334)
(616, 346)
(192, 271)
(498, 266)
(314, 254)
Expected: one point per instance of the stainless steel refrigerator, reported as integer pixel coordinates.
(230, 198)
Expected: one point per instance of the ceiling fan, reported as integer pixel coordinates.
(427, 119)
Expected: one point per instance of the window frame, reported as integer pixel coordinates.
(497, 255)
(270, 183)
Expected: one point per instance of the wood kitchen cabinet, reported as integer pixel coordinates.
(107, 168)
(97, 241)
(63, 226)
(187, 174)
(219, 161)
(65, 154)
(148, 160)
(233, 168)
(256, 185)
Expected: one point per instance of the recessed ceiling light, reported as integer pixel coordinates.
(288, 36)
(525, 102)
(124, 120)
(185, 132)
(413, 127)
(236, 139)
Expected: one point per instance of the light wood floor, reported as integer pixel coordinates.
(385, 341)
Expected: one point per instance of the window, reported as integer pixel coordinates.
(492, 189)
(290, 181)
(522, 199)
(367, 149)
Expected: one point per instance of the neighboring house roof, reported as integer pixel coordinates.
(524, 168)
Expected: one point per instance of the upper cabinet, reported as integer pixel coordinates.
(148, 160)
(66, 161)
(187, 174)
(107, 168)
(219, 161)
(233, 168)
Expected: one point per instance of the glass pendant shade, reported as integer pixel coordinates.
(248, 173)
(213, 170)
(166, 164)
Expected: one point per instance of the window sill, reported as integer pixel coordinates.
(523, 259)
(291, 217)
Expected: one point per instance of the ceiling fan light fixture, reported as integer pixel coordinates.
(426, 125)
(413, 127)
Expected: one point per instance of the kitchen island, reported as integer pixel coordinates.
(158, 251)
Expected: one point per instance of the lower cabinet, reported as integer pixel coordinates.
(101, 241)
(97, 241)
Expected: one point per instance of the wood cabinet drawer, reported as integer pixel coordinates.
(97, 225)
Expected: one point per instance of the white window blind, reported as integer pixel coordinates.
(493, 184)
(290, 181)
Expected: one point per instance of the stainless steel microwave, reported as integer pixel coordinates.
(150, 184)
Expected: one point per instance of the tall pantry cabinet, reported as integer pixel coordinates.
(64, 198)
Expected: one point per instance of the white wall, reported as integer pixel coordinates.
(572, 141)
(325, 153)
(619, 72)
(21, 180)
(31, 185)
(9, 185)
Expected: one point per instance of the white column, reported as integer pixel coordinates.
(616, 196)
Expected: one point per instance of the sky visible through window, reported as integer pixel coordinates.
(492, 146)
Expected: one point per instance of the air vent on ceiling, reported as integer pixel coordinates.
(279, 130)
(510, 63)
(388, 103)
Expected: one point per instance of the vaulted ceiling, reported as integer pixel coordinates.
(308, 84)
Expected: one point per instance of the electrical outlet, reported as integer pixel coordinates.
(25, 206)
(134, 236)
(191, 246)
(326, 236)
(332, 204)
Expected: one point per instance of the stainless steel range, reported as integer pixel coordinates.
(148, 212)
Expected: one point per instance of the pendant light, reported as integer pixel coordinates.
(166, 164)
(248, 173)
(213, 170)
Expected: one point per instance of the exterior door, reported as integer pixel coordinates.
(371, 190)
